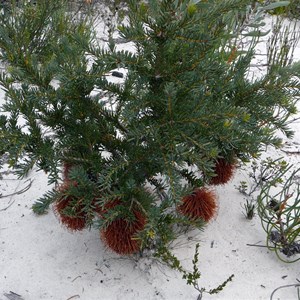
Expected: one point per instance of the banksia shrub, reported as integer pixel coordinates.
(120, 234)
(224, 172)
(70, 210)
(200, 204)
(185, 99)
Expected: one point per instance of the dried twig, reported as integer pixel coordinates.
(262, 246)
(73, 297)
(76, 278)
(18, 192)
(290, 152)
(13, 296)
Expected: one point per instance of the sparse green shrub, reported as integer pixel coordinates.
(192, 278)
(260, 174)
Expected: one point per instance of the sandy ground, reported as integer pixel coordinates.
(39, 259)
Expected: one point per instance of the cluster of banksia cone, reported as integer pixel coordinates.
(121, 234)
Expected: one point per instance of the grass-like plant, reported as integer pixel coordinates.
(279, 210)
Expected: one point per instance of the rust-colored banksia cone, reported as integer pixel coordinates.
(120, 235)
(66, 170)
(200, 204)
(224, 172)
(102, 210)
(75, 222)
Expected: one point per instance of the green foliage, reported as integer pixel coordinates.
(289, 9)
(277, 7)
(41, 204)
(186, 100)
(294, 9)
(249, 207)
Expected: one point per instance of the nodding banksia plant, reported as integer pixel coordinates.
(138, 158)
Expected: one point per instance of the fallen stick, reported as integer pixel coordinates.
(15, 193)
(18, 192)
(262, 246)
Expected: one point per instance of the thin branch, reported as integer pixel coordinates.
(16, 193)
(284, 286)
(25, 189)
(290, 152)
(73, 297)
(262, 246)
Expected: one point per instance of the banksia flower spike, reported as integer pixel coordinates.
(78, 220)
(200, 204)
(66, 170)
(102, 210)
(120, 234)
(224, 172)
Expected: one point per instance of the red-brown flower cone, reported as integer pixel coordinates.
(101, 211)
(120, 234)
(224, 172)
(66, 170)
(76, 222)
(200, 204)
